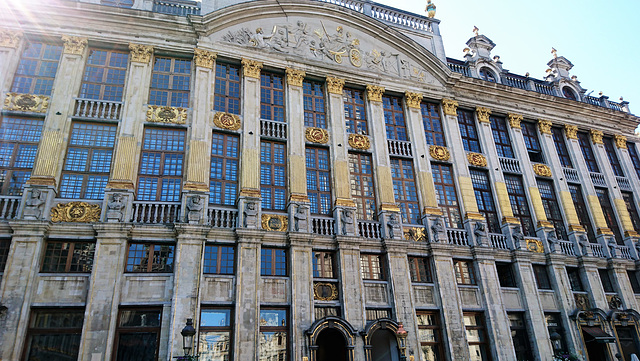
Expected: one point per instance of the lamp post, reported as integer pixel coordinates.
(401, 334)
(555, 342)
(188, 333)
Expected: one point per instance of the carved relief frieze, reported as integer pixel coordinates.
(26, 103)
(160, 114)
(325, 291)
(416, 234)
(535, 245)
(542, 170)
(76, 212)
(227, 121)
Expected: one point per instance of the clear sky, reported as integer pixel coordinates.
(600, 38)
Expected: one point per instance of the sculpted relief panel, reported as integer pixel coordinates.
(328, 42)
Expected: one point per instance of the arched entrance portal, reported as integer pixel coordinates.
(331, 339)
(380, 341)
(331, 346)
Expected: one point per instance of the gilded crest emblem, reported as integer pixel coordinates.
(226, 121)
(317, 135)
(359, 141)
(438, 152)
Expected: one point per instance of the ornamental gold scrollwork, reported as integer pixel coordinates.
(317, 135)
(26, 102)
(160, 114)
(544, 126)
(483, 114)
(596, 136)
(204, 58)
(535, 245)
(439, 152)
(227, 121)
(477, 159)
(9, 38)
(325, 291)
(374, 93)
(359, 141)
(295, 77)
(416, 234)
(335, 85)
(450, 107)
(76, 212)
(275, 222)
(515, 120)
(140, 53)
(74, 45)
(251, 68)
(571, 131)
(621, 141)
(542, 170)
(413, 99)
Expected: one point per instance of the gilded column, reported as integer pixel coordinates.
(630, 171)
(10, 42)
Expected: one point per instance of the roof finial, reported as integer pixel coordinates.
(430, 9)
(554, 52)
(475, 30)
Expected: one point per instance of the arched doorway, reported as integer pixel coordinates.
(331, 339)
(595, 336)
(331, 346)
(380, 341)
(625, 324)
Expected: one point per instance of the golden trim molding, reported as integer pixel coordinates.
(204, 58)
(120, 184)
(433, 211)
(535, 245)
(140, 53)
(227, 121)
(576, 228)
(41, 181)
(316, 135)
(477, 159)
(345, 202)
(335, 85)
(596, 136)
(483, 114)
(571, 131)
(542, 170)
(439, 152)
(252, 193)
(275, 222)
(170, 115)
(389, 207)
(413, 99)
(475, 216)
(10, 38)
(515, 120)
(374, 93)
(317, 292)
(196, 187)
(74, 45)
(450, 107)
(510, 220)
(359, 141)
(544, 126)
(76, 212)
(299, 198)
(295, 77)
(251, 68)
(621, 141)
(26, 103)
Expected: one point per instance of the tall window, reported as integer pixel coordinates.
(554, 324)
(37, 69)
(446, 194)
(394, 118)
(219, 260)
(605, 279)
(501, 137)
(170, 82)
(609, 213)
(542, 277)
(161, 164)
(19, 138)
(404, 188)
(319, 180)
(573, 273)
(138, 334)
(273, 262)
(354, 111)
(60, 256)
(223, 185)
(468, 131)
(587, 152)
(484, 198)
(272, 97)
(314, 105)
(323, 262)
(519, 204)
(476, 336)
(506, 277)
(519, 335)
(464, 272)
(552, 208)
(227, 89)
(215, 334)
(633, 210)
(429, 335)
(531, 140)
(273, 335)
(633, 279)
(150, 257)
(104, 75)
(561, 147)
(582, 211)
(432, 124)
(273, 175)
(420, 270)
(371, 266)
(88, 161)
(613, 156)
(362, 186)
(5, 245)
(635, 159)
(54, 334)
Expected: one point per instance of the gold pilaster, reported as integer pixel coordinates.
(569, 208)
(596, 211)
(342, 181)
(413, 99)
(623, 212)
(450, 107)
(335, 85)
(536, 201)
(428, 190)
(251, 68)
(468, 195)
(123, 173)
(295, 77)
(49, 154)
(199, 164)
(374, 93)
(503, 199)
(483, 114)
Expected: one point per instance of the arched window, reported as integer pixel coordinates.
(488, 75)
(568, 93)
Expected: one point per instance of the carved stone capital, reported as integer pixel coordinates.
(335, 85)
(374, 93)
(140, 53)
(251, 68)
(544, 126)
(621, 141)
(160, 114)
(295, 77)
(204, 58)
(596, 136)
(413, 99)
(74, 45)
(483, 114)
(450, 107)
(515, 120)
(10, 38)
(571, 131)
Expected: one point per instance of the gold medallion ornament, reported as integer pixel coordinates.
(439, 152)
(359, 141)
(251, 68)
(275, 222)
(204, 58)
(140, 53)
(416, 234)
(374, 93)
(325, 291)
(354, 55)
(160, 114)
(76, 212)
(335, 85)
(477, 159)
(74, 45)
(317, 135)
(483, 114)
(227, 121)
(9, 38)
(542, 170)
(535, 245)
(596, 136)
(544, 126)
(295, 77)
(450, 107)
(26, 103)
(571, 131)
(413, 99)
(621, 141)
(515, 120)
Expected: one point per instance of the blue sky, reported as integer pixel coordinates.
(600, 38)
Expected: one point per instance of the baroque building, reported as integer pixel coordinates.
(306, 180)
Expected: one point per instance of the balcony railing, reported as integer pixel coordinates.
(459, 68)
(155, 212)
(567, 248)
(402, 18)
(498, 241)
(98, 109)
(222, 217)
(458, 237)
(271, 129)
(173, 7)
(324, 226)
(351, 4)
(571, 175)
(369, 229)
(592, 100)
(516, 82)
(597, 250)
(544, 89)
(510, 165)
(598, 179)
(9, 207)
(400, 147)
(625, 252)
(624, 183)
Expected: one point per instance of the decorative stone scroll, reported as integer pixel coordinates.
(374, 93)
(227, 121)
(9, 38)
(621, 141)
(515, 120)
(275, 222)
(535, 245)
(160, 114)
(317, 135)
(415, 234)
(325, 291)
(413, 99)
(74, 45)
(204, 58)
(335, 85)
(26, 103)
(359, 141)
(571, 131)
(251, 68)
(140, 53)
(477, 159)
(544, 126)
(542, 170)
(483, 114)
(76, 212)
(295, 77)
(439, 152)
(596, 136)
(450, 107)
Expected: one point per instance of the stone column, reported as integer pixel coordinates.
(10, 42)
(447, 289)
(301, 292)
(250, 156)
(188, 277)
(247, 298)
(296, 157)
(18, 282)
(621, 282)
(352, 290)
(593, 285)
(105, 285)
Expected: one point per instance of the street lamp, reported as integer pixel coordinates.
(555, 342)
(188, 332)
(401, 334)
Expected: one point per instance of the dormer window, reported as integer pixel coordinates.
(568, 93)
(488, 75)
